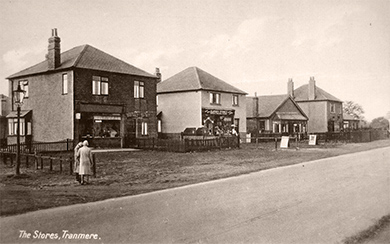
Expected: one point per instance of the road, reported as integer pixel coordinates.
(322, 201)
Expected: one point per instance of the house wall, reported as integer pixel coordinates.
(227, 103)
(180, 110)
(317, 113)
(337, 116)
(52, 116)
(121, 93)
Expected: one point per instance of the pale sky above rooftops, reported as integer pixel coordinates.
(253, 45)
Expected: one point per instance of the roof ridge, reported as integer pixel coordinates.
(197, 77)
(80, 55)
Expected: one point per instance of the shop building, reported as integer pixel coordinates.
(194, 98)
(84, 93)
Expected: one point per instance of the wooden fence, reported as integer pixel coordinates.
(40, 162)
(65, 145)
(187, 144)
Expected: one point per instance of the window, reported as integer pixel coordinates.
(139, 89)
(332, 108)
(99, 85)
(13, 127)
(159, 125)
(144, 129)
(215, 98)
(64, 84)
(235, 100)
(24, 85)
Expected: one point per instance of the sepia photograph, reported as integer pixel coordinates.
(195, 121)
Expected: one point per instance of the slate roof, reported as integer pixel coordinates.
(301, 94)
(86, 57)
(268, 105)
(193, 79)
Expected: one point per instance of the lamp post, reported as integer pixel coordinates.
(18, 97)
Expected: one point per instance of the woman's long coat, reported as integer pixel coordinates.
(85, 156)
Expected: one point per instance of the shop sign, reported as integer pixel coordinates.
(284, 142)
(78, 115)
(218, 112)
(105, 117)
(313, 140)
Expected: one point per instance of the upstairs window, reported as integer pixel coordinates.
(24, 85)
(64, 84)
(99, 85)
(139, 89)
(235, 100)
(215, 98)
(333, 108)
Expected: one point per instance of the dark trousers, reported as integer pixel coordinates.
(78, 178)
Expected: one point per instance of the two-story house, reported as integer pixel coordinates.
(195, 98)
(84, 93)
(325, 111)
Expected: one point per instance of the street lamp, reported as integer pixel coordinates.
(18, 97)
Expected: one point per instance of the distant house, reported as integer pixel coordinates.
(350, 122)
(274, 114)
(4, 110)
(194, 98)
(325, 111)
(84, 93)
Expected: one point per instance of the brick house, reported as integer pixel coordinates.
(274, 114)
(4, 110)
(84, 93)
(350, 122)
(195, 98)
(325, 111)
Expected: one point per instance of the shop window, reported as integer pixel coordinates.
(215, 98)
(99, 85)
(64, 84)
(144, 129)
(139, 89)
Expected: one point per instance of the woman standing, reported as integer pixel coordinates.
(76, 166)
(86, 161)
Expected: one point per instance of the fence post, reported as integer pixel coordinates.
(36, 160)
(27, 161)
(41, 162)
(276, 144)
(71, 165)
(51, 164)
(12, 159)
(94, 165)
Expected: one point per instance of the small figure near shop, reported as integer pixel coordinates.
(76, 166)
(86, 162)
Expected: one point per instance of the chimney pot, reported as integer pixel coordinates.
(54, 51)
(312, 88)
(290, 87)
(158, 74)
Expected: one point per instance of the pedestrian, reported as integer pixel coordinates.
(86, 162)
(76, 166)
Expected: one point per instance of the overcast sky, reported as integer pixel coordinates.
(254, 45)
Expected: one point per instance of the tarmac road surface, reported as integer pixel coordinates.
(323, 201)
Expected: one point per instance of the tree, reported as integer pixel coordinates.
(353, 109)
(380, 123)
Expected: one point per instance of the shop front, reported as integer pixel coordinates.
(98, 126)
(218, 121)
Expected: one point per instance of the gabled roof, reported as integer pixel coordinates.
(301, 94)
(269, 105)
(86, 57)
(193, 79)
(349, 117)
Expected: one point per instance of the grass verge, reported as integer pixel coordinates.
(370, 233)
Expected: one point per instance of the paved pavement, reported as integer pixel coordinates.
(322, 201)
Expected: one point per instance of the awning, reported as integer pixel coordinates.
(291, 116)
(14, 114)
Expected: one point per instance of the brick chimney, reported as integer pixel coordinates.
(158, 74)
(312, 88)
(290, 87)
(54, 51)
